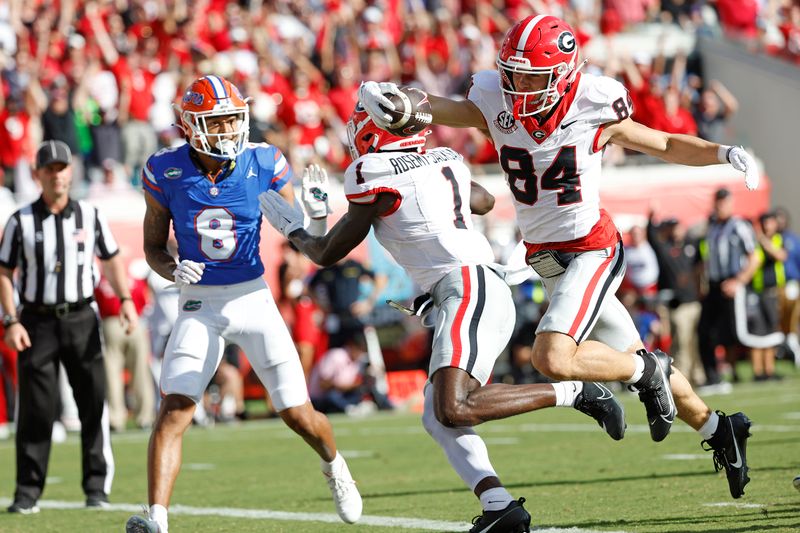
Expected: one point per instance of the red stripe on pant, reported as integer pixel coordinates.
(587, 295)
(455, 333)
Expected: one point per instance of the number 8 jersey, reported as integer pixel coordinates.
(429, 229)
(553, 167)
(217, 223)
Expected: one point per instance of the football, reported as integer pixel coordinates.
(412, 112)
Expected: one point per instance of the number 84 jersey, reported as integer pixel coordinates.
(553, 167)
(428, 230)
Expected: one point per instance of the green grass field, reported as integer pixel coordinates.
(571, 473)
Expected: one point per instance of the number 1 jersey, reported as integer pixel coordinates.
(428, 230)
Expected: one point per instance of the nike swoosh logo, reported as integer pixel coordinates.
(568, 124)
(489, 527)
(607, 394)
(738, 463)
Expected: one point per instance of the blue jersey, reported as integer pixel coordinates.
(218, 223)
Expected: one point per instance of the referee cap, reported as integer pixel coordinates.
(52, 151)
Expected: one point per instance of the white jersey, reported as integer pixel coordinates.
(429, 229)
(553, 169)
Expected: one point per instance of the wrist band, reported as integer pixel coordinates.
(123, 298)
(723, 153)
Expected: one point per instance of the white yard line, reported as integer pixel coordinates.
(738, 505)
(264, 514)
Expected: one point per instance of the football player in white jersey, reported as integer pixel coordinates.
(549, 124)
(420, 203)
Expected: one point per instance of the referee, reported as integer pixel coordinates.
(50, 242)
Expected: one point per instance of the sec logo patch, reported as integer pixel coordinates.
(505, 122)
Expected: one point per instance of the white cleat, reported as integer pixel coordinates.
(345, 494)
(142, 524)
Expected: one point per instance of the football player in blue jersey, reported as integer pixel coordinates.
(209, 189)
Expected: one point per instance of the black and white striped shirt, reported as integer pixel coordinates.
(51, 251)
(730, 243)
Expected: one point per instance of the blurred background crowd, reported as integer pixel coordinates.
(102, 77)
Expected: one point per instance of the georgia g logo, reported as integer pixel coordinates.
(566, 42)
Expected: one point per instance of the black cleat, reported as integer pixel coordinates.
(97, 500)
(23, 507)
(655, 393)
(729, 443)
(598, 402)
(513, 519)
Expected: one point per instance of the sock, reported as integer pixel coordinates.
(642, 371)
(708, 429)
(159, 514)
(566, 391)
(334, 465)
(495, 499)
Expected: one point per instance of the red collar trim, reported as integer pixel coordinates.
(539, 132)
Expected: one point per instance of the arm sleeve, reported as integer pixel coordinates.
(151, 184)
(105, 244)
(366, 178)
(10, 245)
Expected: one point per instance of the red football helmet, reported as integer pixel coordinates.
(366, 137)
(538, 45)
(209, 97)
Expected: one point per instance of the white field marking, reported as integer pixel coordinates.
(199, 466)
(684, 456)
(53, 479)
(791, 416)
(735, 504)
(501, 440)
(358, 454)
(263, 514)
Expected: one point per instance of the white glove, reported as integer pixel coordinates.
(370, 94)
(315, 192)
(744, 162)
(187, 273)
(283, 217)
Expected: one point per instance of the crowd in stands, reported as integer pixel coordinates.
(102, 76)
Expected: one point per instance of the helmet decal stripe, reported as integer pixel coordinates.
(219, 88)
(526, 33)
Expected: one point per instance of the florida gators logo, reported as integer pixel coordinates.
(193, 97)
(192, 305)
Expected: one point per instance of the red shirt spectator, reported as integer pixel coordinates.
(738, 17)
(107, 302)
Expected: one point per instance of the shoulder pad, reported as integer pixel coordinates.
(487, 81)
(603, 90)
(265, 154)
(366, 170)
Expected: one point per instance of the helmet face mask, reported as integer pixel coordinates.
(215, 118)
(539, 46)
(365, 137)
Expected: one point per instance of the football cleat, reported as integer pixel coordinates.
(729, 444)
(655, 393)
(513, 519)
(598, 402)
(345, 494)
(23, 507)
(142, 524)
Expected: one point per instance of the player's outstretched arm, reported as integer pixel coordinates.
(155, 229)
(345, 235)
(678, 148)
(445, 111)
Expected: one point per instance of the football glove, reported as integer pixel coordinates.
(371, 96)
(315, 192)
(187, 273)
(743, 162)
(283, 217)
